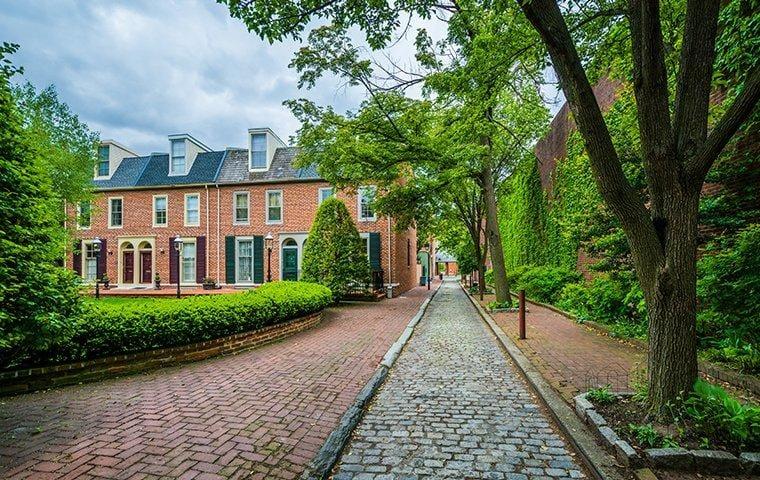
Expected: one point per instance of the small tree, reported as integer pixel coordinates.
(334, 255)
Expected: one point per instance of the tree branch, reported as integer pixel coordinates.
(736, 115)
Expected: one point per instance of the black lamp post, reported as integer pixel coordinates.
(96, 244)
(430, 263)
(178, 243)
(268, 240)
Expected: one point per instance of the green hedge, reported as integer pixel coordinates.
(544, 284)
(112, 329)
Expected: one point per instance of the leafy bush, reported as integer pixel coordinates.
(649, 437)
(716, 414)
(736, 353)
(544, 284)
(601, 395)
(112, 329)
(729, 288)
(334, 256)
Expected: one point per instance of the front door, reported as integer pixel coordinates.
(129, 267)
(146, 266)
(290, 264)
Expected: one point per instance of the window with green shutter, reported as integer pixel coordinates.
(374, 252)
(229, 259)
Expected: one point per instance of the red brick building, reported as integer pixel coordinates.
(222, 204)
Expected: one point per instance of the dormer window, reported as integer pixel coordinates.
(104, 165)
(258, 151)
(177, 163)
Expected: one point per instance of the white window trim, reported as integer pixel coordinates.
(365, 235)
(110, 199)
(251, 168)
(185, 241)
(198, 224)
(161, 225)
(98, 176)
(253, 256)
(79, 213)
(83, 260)
(235, 221)
(359, 205)
(282, 207)
(171, 157)
(319, 194)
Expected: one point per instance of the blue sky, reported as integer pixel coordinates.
(139, 70)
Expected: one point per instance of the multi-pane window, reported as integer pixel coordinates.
(160, 210)
(188, 262)
(366, 197)
(365, 242)
(241, 207)
(90, 263)
(115, 213)
(274, 206)
(244, 260)
(325, 193)
(192, 210)
(104, 166)
(177, 166)
(84, 217)
(258, 151)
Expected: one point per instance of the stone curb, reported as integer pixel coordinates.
(677, 459)
(601, 465)
(321, 466)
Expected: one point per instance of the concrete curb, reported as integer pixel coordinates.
(601, 465)
(321, 466)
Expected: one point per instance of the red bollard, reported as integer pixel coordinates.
(521, 313)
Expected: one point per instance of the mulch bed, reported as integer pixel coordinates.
(625, 411)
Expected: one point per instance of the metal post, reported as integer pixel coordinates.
(179, 271)
(430, 277)
(521, 313)
(97, 288)
(269, 264)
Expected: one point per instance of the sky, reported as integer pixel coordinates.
(139, 70)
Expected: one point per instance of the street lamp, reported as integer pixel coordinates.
(96, 244)
(430, 263)
(268, 240)
(178, 243)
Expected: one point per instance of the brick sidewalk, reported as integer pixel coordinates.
(570, 356)
(259, 414)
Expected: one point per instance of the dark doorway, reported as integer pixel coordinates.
(146, 267)
(129, 267)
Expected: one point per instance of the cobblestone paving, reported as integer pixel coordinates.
(259, 414)
(454, 407)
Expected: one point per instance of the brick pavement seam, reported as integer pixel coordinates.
(327, 457)
(601, 465)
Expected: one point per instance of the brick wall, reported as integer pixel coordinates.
(299, 200)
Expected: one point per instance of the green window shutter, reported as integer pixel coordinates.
(258, 259)
(229, 258)
(374, 252)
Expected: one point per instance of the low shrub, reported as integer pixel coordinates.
(544, 284)
(601, 396)
(112, 329)
(718, 415)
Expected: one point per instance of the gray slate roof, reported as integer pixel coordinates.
(235, 168)
(229, 166)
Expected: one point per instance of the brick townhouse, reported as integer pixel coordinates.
(222, 204)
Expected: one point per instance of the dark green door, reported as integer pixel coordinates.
(290, 264)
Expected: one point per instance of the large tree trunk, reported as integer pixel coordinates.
(493, 235)
(671, 303)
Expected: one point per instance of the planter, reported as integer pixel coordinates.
(712, 461)
(209, 286)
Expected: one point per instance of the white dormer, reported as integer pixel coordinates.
(262, 143)
(110, 155)
(183, 149)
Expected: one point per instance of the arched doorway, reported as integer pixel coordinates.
(146, 262)
(289, 259)
(127, 250)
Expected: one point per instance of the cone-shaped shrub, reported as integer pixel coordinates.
(334, 255)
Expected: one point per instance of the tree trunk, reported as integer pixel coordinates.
(493, 235)
(671, 303)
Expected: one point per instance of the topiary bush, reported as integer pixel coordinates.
(111, 329)
(335, 256)
(544, 284)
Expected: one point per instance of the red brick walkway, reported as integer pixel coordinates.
(259, 414)
(570, 356)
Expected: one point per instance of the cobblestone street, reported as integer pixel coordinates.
(453, 406)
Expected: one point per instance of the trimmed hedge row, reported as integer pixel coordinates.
(105, 330)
